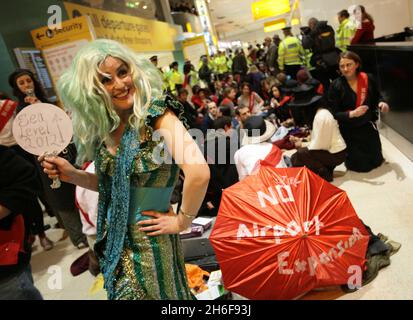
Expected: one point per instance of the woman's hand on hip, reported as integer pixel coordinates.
(163, 223)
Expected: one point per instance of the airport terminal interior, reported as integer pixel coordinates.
(206, 149)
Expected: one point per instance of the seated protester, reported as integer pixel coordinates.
(219, 149)
(215, 93)
(229, 81)
(326, 149)
(250, 99)
(242, 114)
(209, 118)
(18, 187)
(229, 95)
(305, 96)
(256, 146)
(278, 105)
(190, 113)
(262, 67)
(303, 77)
(225, 111)
(254, 78)
(285, 84)
(199, 99)
(266, 91)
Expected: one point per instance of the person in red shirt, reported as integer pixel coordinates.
(365, 31)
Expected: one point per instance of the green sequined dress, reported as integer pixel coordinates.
(149, 267)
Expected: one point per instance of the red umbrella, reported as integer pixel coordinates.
(283, 232)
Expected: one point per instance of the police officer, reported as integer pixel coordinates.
(345, 31)
(290, 54)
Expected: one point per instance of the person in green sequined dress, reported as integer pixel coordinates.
(117, 107)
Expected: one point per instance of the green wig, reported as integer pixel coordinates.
(85, 97)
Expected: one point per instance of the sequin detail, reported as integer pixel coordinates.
(148, 267)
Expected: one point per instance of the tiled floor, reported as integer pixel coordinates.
(383, 199)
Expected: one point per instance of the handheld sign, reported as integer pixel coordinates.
(43, 129)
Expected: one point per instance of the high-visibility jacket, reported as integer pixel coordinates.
(344, 34)
(308, 54)
(221, 64)
(174, 78)
(290, 52)
(229, 63)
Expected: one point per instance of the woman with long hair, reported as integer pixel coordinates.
(123, 122)
(250, 99)
(365, 29)
(355, 102)
(28, 90)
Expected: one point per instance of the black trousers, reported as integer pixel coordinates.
(320, 162)
(364, 147)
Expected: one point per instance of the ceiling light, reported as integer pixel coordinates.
(145, 7)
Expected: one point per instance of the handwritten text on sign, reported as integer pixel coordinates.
(41, 128)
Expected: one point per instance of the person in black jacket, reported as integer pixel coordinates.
(219, 149)
(28, 91)
(319, 37)
(60, 201)
(18, 185)
(357, 116)
(190, 112)
(240, 64)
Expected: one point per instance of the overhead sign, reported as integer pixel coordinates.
(71, 30)
(269, 8)
(279, 24)
(194, 48)
(137, 33)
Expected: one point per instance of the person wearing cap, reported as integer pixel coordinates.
(345, 31)
(175, 78)
(256, 146)
(154, 60)
(271, 58)
(290, 54)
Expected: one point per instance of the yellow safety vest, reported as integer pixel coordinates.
(290, 52)
(308, 54)
(344, 34)
(221, 64)
(175, 77)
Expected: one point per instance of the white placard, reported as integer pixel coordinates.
(42, 128)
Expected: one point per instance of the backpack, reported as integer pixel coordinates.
(325, 52)
(325, 39)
